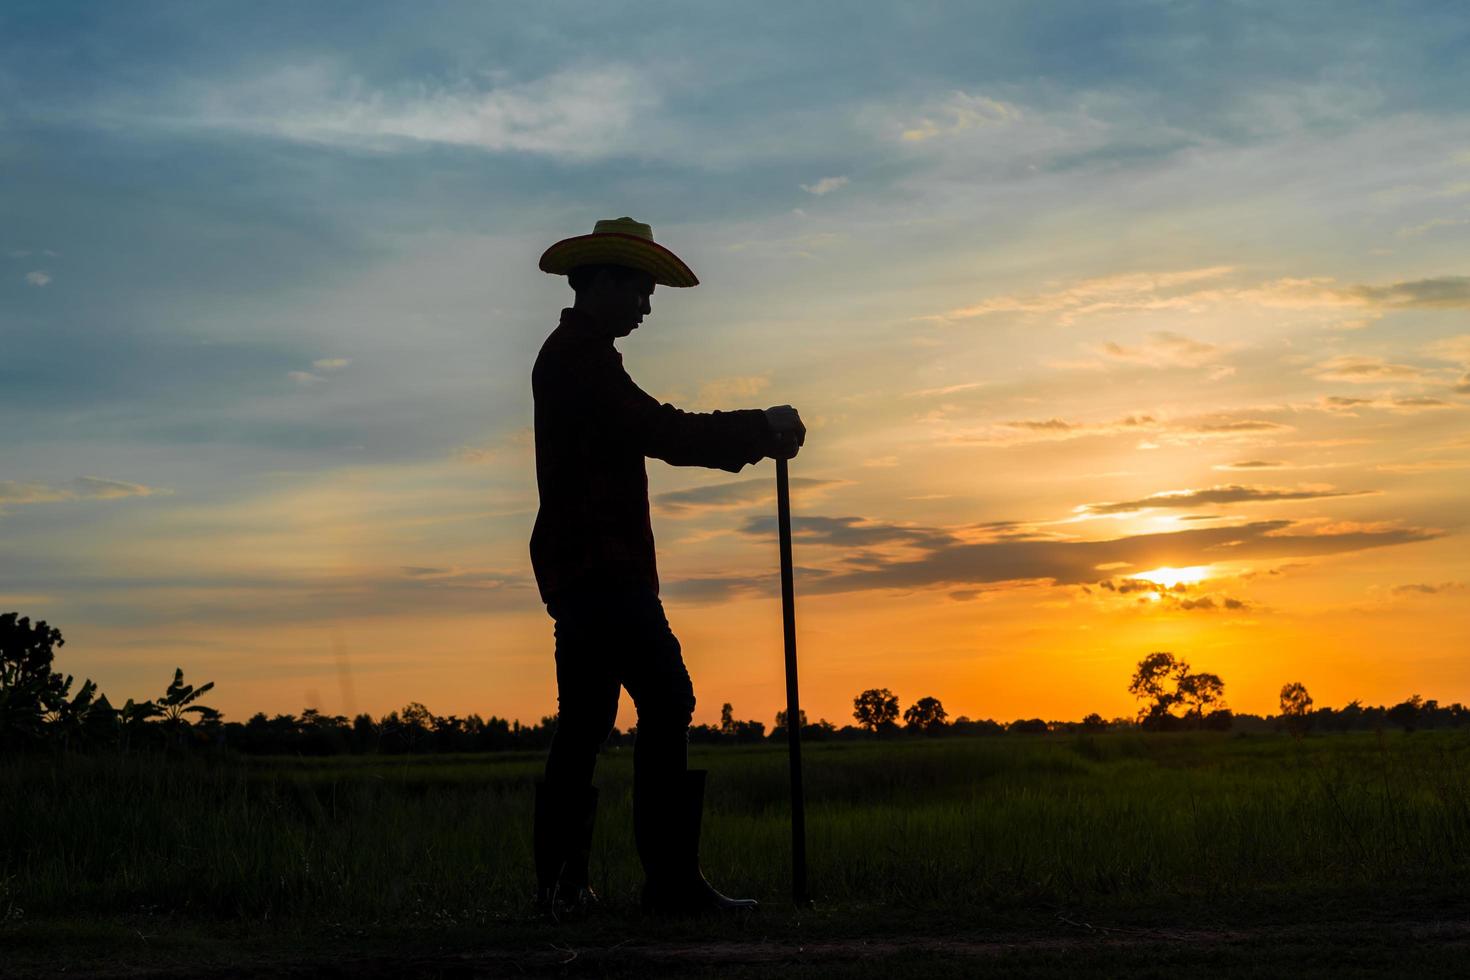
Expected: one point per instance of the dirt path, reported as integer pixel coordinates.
(1332, 949)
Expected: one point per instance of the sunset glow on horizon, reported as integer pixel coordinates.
(1104, 347)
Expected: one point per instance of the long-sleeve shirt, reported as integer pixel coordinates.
(594, 429)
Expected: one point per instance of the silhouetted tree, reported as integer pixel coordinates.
(413, 724)
(875, 708)
(925, 714)
(1156, 680)
(1296, 708)
(67, 720)
(1200, 691)
(781, 719)
(1094, 723)
(1220, 720)
(1349, 716)
(984, 726)
(29, 688)
(101, 725)
(178, 701)
(1406, 714)
(732, 729)
(819, 731)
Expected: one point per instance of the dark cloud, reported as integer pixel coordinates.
(1252, 464)
(948, 561)
(260, 598)
(1207, 603)
(1425, 588)
(730, 496)
(1048, 425)
(1359, 369)
(1232, 494)
(1183, 596)
(1442, 292)
(848, 532)
(1236, 425)
(1127, 585)
(1341, 403)
(721, 588)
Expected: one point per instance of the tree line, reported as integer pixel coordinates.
(38, 708)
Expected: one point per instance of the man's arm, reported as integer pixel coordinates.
(720, 440)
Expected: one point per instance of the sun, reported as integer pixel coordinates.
(1170, 577)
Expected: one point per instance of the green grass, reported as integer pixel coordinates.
(988, 821)
(940, 834)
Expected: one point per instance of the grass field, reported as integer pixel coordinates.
(1113, 843)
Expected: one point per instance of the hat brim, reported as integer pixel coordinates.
(615, 248)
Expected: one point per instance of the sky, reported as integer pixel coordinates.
(1117, 327)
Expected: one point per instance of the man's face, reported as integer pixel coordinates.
(620, 305)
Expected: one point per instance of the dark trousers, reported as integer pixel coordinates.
(606, 640)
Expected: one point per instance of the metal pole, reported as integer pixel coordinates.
(793, 702)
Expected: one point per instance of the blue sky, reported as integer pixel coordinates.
(269, 300)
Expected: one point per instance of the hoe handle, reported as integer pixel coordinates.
(793, 702)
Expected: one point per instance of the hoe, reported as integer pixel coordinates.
(793, 702)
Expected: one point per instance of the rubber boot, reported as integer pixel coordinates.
(574, 892)
(548, 850)
(667, 826)
(561, 847)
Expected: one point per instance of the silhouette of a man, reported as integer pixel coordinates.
(593, 553)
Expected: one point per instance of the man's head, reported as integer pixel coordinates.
(615, 296)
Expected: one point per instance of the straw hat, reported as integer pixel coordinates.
(619, 241)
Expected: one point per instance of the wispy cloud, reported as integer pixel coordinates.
(1163, 349)
(1364, 370)
(1211, 496)
(1178, 431)
(825, 186)
(1182, 291)
(1403, 404)
(321, 368)
(737, 495)
(1253, 464)
(1425, 466)
(1455, 349)
(38, 277)
(945, 390)
(1413, 231)
(1425, 588)
(1127, 291)
(725, 393)
(583, 112)
(957, 112)
(80, 488)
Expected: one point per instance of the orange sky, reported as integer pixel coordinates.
(1054, 323)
